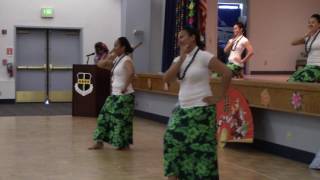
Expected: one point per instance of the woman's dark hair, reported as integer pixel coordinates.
(241, 26)
(101, 47)
(125, 43)
(194, 32)
(316, 16)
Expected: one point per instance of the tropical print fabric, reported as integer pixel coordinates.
(114, 123)
(309, 74)
(190, 144)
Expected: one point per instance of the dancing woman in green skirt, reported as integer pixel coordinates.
(114, 123)
(236, 47)
(311, 72)
(190, 139)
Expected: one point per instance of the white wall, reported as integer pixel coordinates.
(157, 28)
(272, 25)
(100, 20)
(287, 129)
(211, 29)
(136, 15)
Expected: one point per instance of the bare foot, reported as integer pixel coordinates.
(97, 146)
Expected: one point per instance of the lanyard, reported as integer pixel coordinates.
(235, 46)
(116, 64)
(188, 66)
(306, 44)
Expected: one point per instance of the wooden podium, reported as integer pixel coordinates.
(91, 87)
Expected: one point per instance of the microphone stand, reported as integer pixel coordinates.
(88, 57)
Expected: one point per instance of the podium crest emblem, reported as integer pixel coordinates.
(83, 85)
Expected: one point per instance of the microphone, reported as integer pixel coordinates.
(88, 56)
(91, 54)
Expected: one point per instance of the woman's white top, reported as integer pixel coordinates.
(237, 49)
(195, 86)
(120, 75)
(314, 52)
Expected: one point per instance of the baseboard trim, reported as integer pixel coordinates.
(283, 151)
(151, 116)
(7, 101)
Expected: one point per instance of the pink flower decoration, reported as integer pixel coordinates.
(296, 100)
(191, 21)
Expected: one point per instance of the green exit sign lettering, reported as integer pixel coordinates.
(47, 12)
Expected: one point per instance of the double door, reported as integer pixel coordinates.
(44, 59)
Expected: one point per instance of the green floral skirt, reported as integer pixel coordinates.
(190, 144)
(114, 123)
(235, 69)
(309, 74)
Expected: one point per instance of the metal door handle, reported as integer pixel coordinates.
(43, 67)
(65, 68)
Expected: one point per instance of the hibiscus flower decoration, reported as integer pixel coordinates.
(296, 100)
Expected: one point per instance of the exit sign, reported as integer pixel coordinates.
(47, 12)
